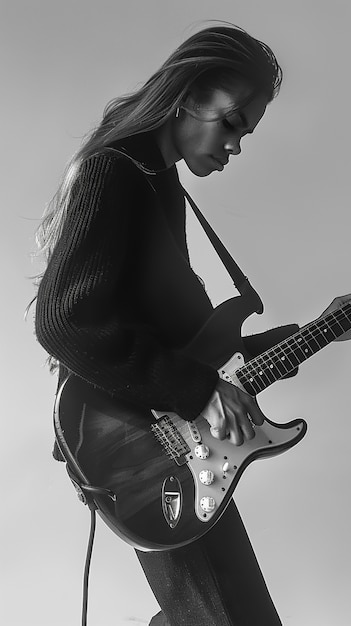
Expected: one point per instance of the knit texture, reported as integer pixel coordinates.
(119, 300)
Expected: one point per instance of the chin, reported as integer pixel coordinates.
(202, 174)
(200, 171)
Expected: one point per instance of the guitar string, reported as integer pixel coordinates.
(270, 372)
(312, 332)
(289, 344)
(291, 341)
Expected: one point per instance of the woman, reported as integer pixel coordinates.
(119, 300)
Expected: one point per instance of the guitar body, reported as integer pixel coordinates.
(168, 480)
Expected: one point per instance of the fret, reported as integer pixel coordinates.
(344, 323)
(328, 331)
(320, 329)
(261, 372)
(250, 385)
(251, 380)
(264, 371)
(280, 362)
(336, 327)
(322, 338)
(316, 338)
(282, 359)
(284, 355)
(299, 350)
(273, 366)
(269, 367)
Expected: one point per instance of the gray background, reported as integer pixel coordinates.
(282, 208)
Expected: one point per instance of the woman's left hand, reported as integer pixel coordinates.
(337, 302)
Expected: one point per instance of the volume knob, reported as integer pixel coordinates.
(207, 504)
(206, 477)
(202, 451)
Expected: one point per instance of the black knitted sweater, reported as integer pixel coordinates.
(119, 299)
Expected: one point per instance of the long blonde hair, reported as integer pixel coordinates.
(205, 59)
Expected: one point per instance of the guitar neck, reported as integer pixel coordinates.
(282, 359)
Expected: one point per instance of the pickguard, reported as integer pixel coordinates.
(216, 465)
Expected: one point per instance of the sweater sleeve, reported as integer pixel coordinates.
(82, 311)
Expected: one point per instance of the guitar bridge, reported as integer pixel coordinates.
(171, 440)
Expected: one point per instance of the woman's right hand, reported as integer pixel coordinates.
(232, 413)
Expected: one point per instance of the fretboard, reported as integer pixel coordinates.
(282, 359)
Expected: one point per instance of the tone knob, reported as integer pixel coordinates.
(206, 477)
(207, 504)
(202, 451)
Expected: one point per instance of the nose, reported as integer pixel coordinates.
(233, 147)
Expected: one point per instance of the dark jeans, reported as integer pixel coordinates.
(215, 581)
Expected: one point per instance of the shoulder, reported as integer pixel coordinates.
(109, 160)
(109, 168)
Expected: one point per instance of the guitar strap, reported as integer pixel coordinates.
(241, 282)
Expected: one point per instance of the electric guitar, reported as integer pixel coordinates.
(158, 481)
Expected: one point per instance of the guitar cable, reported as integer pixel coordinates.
(92, 508)
(86, 494)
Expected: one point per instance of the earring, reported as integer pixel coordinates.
(177, 112)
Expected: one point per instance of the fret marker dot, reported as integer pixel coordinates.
(251, 380)
(283, 358)
(325, 330)
(271, 366)
(299, 339)
(306, 349)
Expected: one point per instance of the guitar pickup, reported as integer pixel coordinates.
(194, 432)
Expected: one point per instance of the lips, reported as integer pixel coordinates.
(223, 161)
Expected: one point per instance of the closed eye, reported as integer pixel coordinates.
(227, 124)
